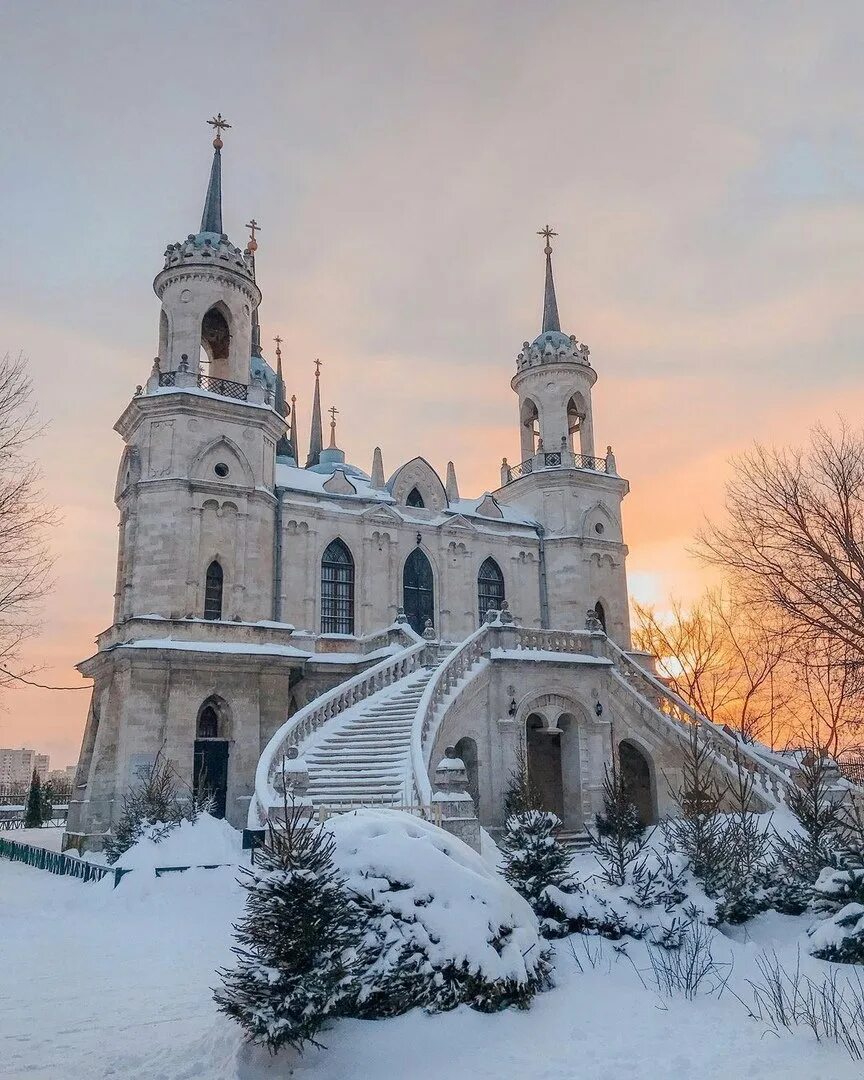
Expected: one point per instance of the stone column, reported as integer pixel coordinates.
(451, 801)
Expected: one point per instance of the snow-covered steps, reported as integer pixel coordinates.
(575, 841)
(363, 756)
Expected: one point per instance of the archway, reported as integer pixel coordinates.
(418, 591)
(529, 429)
(636, 774)
(544, 764)
(466, 749)
(210, 767)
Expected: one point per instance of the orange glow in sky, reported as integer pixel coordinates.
(703, 165)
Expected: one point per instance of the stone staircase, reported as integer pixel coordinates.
(364, 758)
(574, 841)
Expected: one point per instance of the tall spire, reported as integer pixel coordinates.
(316, 438)
(550, 304)
(251, 248)
(283, 444)
(211, 219)
(295, 453)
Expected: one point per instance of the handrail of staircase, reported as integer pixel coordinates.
(426, 722)
(728, 747)
(311, 717)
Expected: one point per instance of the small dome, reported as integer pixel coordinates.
(328, 467)
(554, 338)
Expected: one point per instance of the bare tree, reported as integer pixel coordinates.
(719, 659)
(794, 538)
(828, 682)
(25, 519)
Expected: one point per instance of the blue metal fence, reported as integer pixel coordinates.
(56, 862)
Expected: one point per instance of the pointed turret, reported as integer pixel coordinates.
(283, 446)
(451, 487)
(316, 437)
(211, 219)
(551, 322)
(294, 451)
(377, 480)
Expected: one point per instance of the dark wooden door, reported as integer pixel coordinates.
(418, 591)
(211, 772)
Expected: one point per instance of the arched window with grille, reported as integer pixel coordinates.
(490, 587)
(337, 589)
(213, 591)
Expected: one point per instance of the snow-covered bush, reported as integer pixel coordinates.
(152, 808)
(442, 927)
(658, 901)
(840, 938)
(298, 939)
(534, 860)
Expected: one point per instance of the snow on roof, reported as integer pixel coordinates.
(240, 648)
(312, 482)
(546, 654)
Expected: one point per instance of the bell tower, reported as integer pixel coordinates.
(553, 381)
(208, 293)
(573, 496)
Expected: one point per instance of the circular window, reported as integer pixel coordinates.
(599, 528)
(221, 469)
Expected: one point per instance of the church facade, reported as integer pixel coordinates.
(406, 643)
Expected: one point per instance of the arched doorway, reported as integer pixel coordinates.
(636, 774)
(466, 749)
(418, 591)
(544, 764)
(210, 770)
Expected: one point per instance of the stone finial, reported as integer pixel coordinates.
(429, 631)
(505, 472)
(377, 481)
(451, 487)
(592, 622)
(450, 773)
(184, 363)
(139, 390)
(611, 466)
(505, 615)
(401, 617)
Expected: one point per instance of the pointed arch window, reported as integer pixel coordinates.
(337, 589)
(414, 498)
(490, 588)
(213, 591)
(600, 612)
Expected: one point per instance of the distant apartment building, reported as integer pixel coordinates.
(16, 766)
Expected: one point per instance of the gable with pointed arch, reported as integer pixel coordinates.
(418, 475)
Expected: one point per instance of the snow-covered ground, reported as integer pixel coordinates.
(97, 982)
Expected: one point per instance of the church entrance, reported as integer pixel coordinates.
(210, 776)
(418, 591)
(636, 774)
(544, 764)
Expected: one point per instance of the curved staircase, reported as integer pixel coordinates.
(364, 756)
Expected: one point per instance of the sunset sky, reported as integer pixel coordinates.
(702, 163)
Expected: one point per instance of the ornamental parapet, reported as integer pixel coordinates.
(553, 348)
(209, 249)
(560, 459)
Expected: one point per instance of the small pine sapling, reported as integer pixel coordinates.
(297, 941)
(153, 806)
(534, 860)
(521, 794)
(35, 805)
(700, 832)
(804, 855)
(751, 861)
(619, 836)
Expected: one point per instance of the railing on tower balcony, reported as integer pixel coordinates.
(559, 459)
(225, 387)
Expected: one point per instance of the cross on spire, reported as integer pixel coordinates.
(278, 341)
(334, 412)
(253, 227)
(317, 368)
(547, 233)
(219, 125)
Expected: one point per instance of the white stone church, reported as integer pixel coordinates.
(390, 639)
